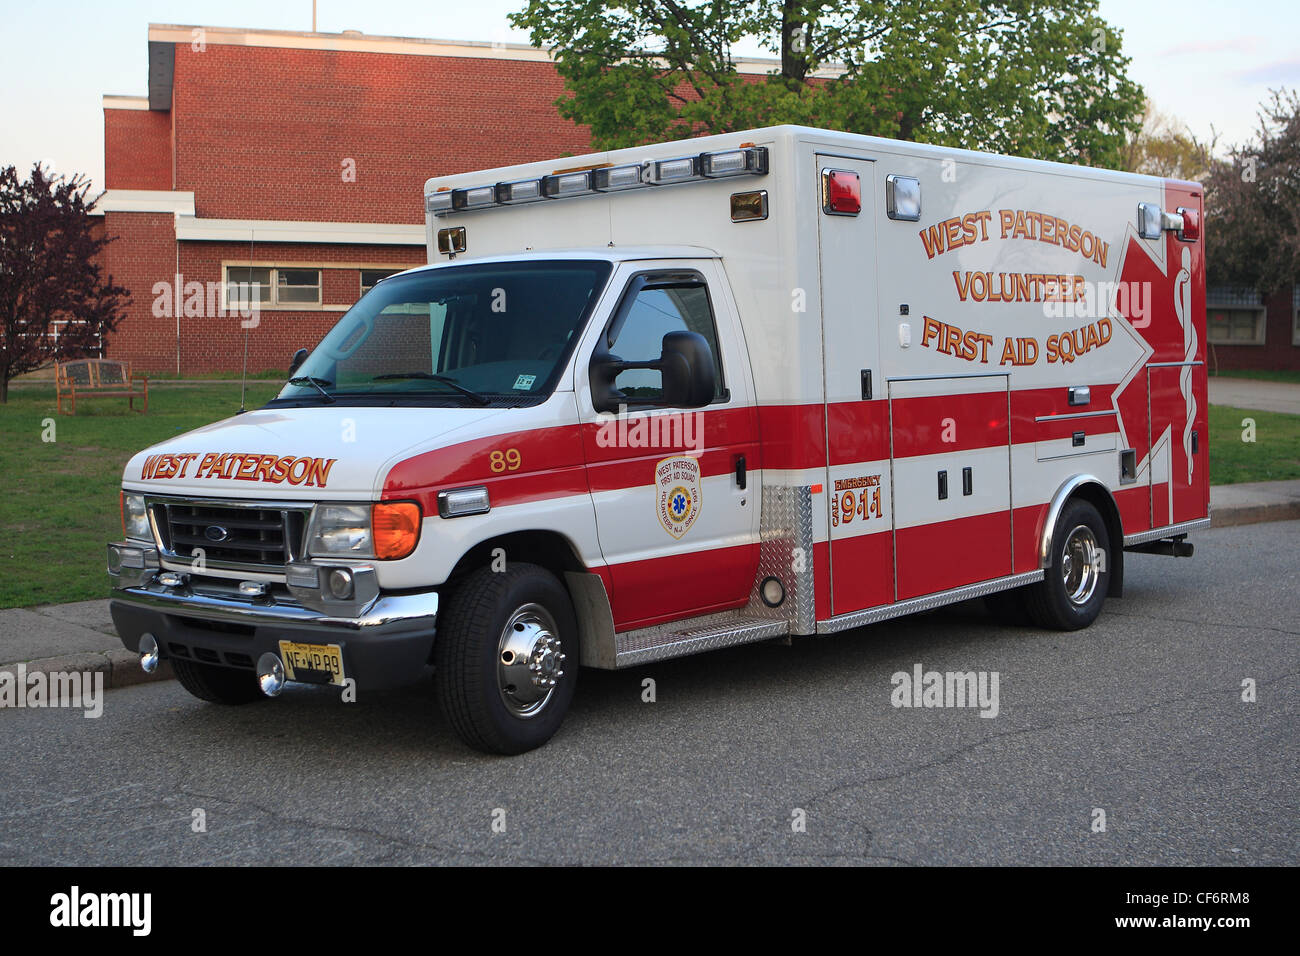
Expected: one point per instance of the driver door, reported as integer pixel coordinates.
(676, 503)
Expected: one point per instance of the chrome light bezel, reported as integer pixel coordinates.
(332, 517)
(1150, 220)
(903, 198)
(136, 525)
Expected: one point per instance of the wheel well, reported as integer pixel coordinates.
(549, 549)
(1100, 498)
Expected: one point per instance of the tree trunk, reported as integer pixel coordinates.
(795, 42)
(906, 126)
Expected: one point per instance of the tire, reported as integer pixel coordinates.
(1074, 587)
(220, 685)
(502, 637)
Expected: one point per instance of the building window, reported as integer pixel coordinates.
(1234, 315)
(1235, 326)
(1295, 315)
(271, 287)
(369, 277)
(297, 286)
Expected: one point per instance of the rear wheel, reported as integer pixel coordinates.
(506, 658)
(221, 685)
(1074, 587)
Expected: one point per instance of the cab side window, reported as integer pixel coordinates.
(657, 310)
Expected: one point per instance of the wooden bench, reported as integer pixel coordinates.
(98, 377)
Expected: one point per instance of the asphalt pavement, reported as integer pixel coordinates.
(761, 754)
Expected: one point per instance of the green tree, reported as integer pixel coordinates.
(1167, 148)
(1038, 78)
(1252, 204)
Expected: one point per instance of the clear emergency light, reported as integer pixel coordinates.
(523, 190)
(719, 164)
(477, 197)
(611, 178)
(561, 185)
(660, 171)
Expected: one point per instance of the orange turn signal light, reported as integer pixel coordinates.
(395, 526)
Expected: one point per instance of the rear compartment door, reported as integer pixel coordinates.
(858, 489)
(952, 481)
(1179, 428)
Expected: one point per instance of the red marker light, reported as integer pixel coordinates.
(1191, 224)
(841, 192)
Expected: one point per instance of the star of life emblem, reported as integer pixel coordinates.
(677, 481)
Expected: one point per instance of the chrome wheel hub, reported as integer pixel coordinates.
(1081, 565)
(530, 661)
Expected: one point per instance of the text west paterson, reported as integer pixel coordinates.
(275, 469)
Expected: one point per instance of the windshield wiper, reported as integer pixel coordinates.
(444, 379)
(312, 380)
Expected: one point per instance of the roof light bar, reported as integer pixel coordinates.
(719, 164)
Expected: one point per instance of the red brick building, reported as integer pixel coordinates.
(296, 160)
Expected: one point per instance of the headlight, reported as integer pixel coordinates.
(135, 518)
(342, 529)
(386, 530)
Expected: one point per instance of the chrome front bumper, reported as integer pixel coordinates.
(386, 640)
(386, 612)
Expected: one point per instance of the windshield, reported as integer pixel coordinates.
(478, 334)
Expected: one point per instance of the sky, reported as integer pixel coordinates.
(1207, 63)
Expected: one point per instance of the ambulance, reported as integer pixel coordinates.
(667, 399)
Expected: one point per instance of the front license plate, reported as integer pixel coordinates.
(313, 663)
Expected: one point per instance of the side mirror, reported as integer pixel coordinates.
(685, 365)
(295, 363)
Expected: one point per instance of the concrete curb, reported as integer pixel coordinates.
(1254, 514)
(1253, 502)
(120, 667)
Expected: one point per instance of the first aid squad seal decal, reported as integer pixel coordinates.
(678, 482)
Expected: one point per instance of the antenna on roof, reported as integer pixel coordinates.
(313, 16)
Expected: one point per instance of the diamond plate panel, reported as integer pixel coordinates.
(786, 553)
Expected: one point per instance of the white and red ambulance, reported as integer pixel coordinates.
(666, 399)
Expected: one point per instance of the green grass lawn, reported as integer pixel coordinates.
(58, 499)
(1274, 455)
(1262, 375)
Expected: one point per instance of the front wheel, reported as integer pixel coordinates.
(506, 658)
(1074, 588)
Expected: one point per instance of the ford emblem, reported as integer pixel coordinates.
(215, 533)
